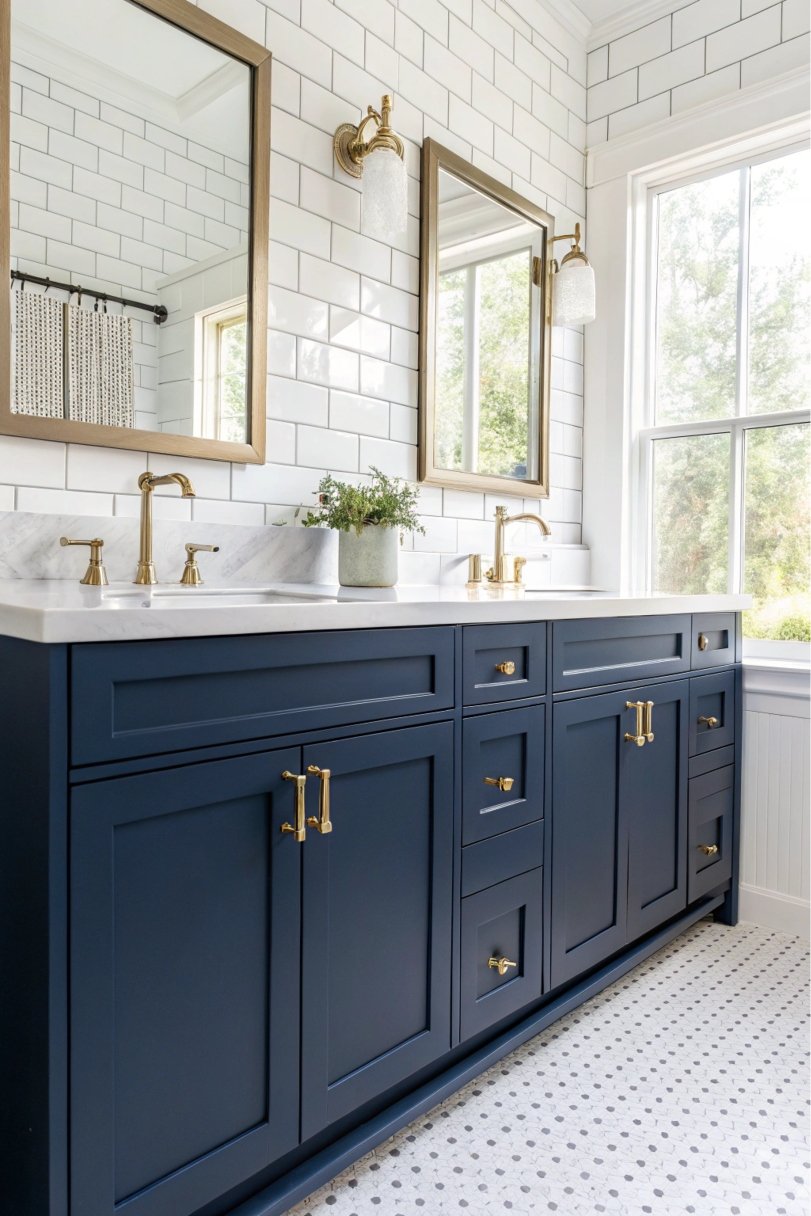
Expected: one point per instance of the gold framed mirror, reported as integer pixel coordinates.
(134, 227)
(485, 332)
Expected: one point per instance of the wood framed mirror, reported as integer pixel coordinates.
(134, 227)
(485, 332)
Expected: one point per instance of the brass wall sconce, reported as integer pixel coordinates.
(573, 301)
(379, 161)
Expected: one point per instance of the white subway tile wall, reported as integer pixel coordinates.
(699, 52)
(502, 84)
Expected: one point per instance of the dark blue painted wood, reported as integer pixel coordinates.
(505, 744)
(140, 698)
(376, 979)
(501, 857)
(719, 758)
(485, 646)
(184, 984)
(589, 833)
(654, 783)
(591, 652)
(719, 630)
(712, 696)
(505, 920)
(711, 812)
(33, 929)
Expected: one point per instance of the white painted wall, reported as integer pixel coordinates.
(502, 84)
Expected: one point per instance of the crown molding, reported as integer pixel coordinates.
(776, 105)
(569, 16)
(632, 17)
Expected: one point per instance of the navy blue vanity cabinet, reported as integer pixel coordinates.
(184, 982)
(376, 973)
(619, 821)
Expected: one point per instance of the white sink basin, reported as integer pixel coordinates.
(175, 596)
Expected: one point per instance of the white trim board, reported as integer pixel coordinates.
(758, 111)
(785, 913)
(629, 19)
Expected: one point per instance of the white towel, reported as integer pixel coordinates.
(101, 368)
(38, 355)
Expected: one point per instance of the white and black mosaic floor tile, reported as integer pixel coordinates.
(681, 1089)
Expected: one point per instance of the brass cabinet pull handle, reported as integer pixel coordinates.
(300, 829)
(709, 849)
(504, 783)
(709, 721)
(506, 669)
(647, 728)
(323, 823)
(639, 737)
(703, 641)
(501, 965)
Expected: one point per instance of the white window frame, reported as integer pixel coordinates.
(644, 431)
(208, 323)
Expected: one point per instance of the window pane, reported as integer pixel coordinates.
(504, 365)
(779, 282)
(450, 370)
(696, 300)
(777, 572)
(690, 512)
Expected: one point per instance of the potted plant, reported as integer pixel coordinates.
(369, 519)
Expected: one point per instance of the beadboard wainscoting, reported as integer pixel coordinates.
(775, 833)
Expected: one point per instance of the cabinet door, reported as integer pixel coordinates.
(655, 788)
(376, 977)
(185, 905)
(589, 833)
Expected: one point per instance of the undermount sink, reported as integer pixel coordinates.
(205, 597)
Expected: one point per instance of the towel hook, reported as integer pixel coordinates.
(47, 286)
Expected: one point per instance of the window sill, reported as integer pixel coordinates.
(783, 678)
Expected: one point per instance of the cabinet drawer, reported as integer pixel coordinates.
(505, 748)
(142, 698)
(502, 662)
(713, 640)
(709, 852)
(491, 861)
(501, 923)
(589, 653)
(712, 712)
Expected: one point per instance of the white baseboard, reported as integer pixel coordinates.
(785, 913)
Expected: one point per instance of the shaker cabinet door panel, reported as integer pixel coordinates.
(589, 834)
(185, 901)
(376, 977)
(656, 790)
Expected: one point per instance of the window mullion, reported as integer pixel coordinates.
(736, 478)
(742, 311)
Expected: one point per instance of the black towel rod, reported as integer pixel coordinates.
(159, 311)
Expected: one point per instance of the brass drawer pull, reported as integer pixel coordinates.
(639, 736)
(506, 669)
(300, 830)
(703, 641)
(323, 823)
(647, 728)
(709, 721)
(709, 849)
(505, 784)
(501, 965)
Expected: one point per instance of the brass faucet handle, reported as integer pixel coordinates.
(474, 569)
(518, 570)
(95, 575)
(191, 576)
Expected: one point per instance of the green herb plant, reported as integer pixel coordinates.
(387, 502)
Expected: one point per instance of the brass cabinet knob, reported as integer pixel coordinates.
(709, 721)
(505, 784)
(703, 641)
(95, 575)
(506, 669)
(501, 965)
(323, 823)
(709, 849)
(299, 830)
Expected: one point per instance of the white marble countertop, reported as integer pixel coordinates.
(57, 611)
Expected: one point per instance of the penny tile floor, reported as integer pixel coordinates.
(683, 1088)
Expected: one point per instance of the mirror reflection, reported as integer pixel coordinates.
(488, 335)
(130, 216)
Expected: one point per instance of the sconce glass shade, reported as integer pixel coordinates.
(385, 196)
(573, 294)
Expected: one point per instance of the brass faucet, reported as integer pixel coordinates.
(145, 574)
(507, 571)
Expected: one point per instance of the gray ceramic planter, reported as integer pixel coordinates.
(368, 560)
